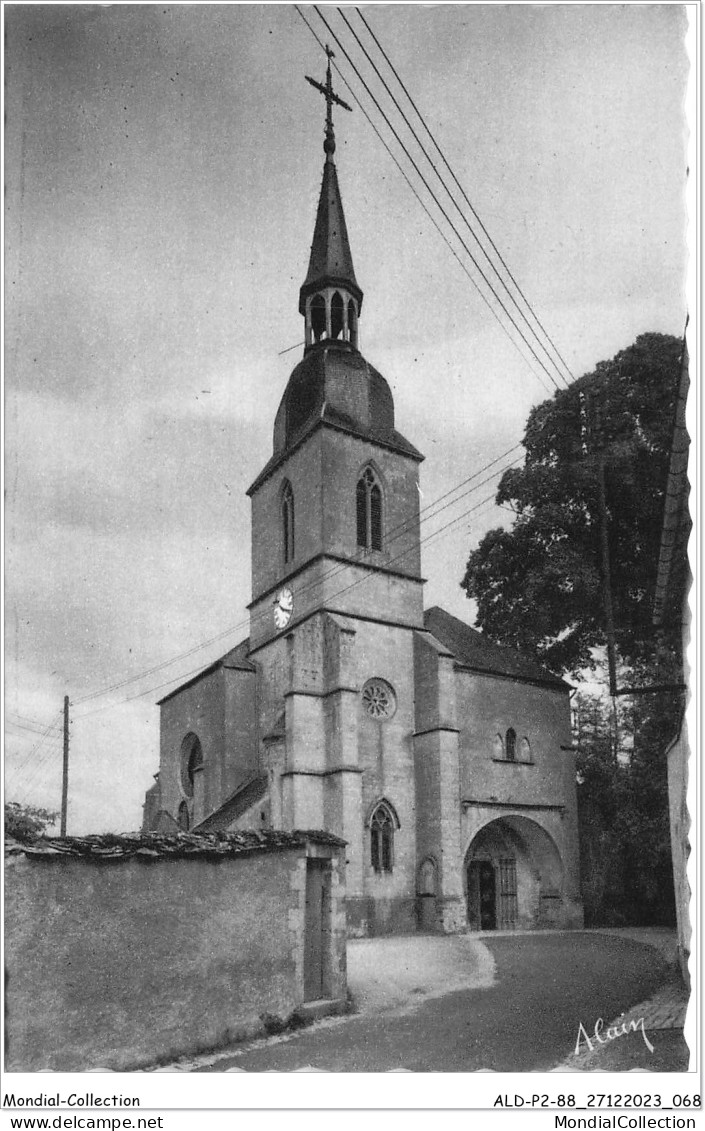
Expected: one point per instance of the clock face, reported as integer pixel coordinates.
(283, 608)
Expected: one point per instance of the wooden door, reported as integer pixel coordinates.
(488, 903)
(315, 930)
(481, 895)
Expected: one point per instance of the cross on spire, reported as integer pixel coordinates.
(330, 97)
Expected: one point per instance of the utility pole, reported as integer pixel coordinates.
(65, 777)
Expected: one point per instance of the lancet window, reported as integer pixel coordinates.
(382, 826)
(287, 513)
(369, 511)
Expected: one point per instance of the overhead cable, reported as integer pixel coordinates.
(437, 202)
(265, 613)
(457, 207)
(466, 198)
(527, 361)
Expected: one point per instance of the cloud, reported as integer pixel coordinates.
(139, 469)
(160, 206)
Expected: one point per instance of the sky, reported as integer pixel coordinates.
(162, 167)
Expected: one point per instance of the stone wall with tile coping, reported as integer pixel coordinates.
(120, 963)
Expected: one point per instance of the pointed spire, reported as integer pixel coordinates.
(331, 262)
(330, 298)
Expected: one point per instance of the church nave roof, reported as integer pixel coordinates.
(473, 650)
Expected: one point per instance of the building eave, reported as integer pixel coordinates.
(403, 449)
(558, 685)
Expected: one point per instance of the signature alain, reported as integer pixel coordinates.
(611, 1033)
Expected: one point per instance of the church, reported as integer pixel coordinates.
(443, 760)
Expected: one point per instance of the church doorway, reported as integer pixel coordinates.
(317, 930)
(513, 876)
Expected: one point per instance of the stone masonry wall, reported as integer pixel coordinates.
(487, 707)
(200, 710)
(117, 965)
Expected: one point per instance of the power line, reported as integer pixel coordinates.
(459, 210)
(25, 734)
(158, 667)
(39, 744)
(24, 727)
(527, 361)
(26, 719)
(35, 773)
(392, 535)
(466, 198)
(402, 529)
(437, 202)
(17, 772)
(194, 671)
(34, 778)
(230, 630)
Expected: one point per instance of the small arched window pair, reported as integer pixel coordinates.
(287, 511)
(369, 511)
(507, 749)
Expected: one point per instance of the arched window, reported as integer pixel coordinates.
(510, 745)
(352, 323)
(336, 316)
(287, 505)
(183, 817)
(497, 747)
(524, 750)
(369, 511)
(382, 826)
(318, 317)
(191, 762)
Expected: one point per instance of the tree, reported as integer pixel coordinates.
(26, 822)
(602, 788)
(540, 585)
(625, 858)
(597, 453)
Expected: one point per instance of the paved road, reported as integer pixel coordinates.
(528, 1021)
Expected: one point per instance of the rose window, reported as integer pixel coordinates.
(378, 699)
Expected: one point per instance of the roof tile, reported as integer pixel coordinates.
(123, 846)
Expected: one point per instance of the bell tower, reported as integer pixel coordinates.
(336, 587)
(335, 511)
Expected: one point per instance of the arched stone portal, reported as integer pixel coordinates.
(513, 877)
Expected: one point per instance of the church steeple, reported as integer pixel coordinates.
(330, 298)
